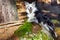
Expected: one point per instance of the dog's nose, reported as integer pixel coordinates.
(30, 10)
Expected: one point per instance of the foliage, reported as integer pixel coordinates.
(22, 30)
(42, 36)
(27, 28)
(55, 21)
(39, 36)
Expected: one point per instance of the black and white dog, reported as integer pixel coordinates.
(34, 15)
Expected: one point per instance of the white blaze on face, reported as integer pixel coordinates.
(30, 9)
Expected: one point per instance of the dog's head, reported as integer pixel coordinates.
(30, 10)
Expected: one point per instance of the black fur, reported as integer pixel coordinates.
(30, 1)
(42, 18)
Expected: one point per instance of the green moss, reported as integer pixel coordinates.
(22, 30)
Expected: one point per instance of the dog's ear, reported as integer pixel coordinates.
(26, 3)
(33, 3)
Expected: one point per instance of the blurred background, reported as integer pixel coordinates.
(14, 10)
